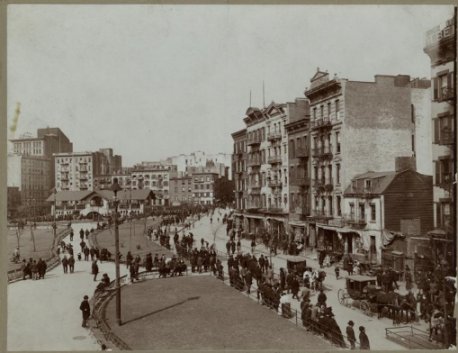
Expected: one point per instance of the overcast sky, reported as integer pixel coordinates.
(153, 81)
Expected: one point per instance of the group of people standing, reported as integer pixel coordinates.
(33, 269)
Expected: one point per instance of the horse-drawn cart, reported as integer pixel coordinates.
(361, 289)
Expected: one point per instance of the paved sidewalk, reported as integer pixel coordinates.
(44, 314)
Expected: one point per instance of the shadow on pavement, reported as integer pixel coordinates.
(158, 311)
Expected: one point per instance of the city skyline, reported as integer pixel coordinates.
(128, 45)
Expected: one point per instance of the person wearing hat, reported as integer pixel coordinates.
(363, 339)
(86, 310)
(351, 334)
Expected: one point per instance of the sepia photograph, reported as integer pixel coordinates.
(230, 177)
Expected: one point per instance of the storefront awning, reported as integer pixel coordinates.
(338, 229)
(297, 224)
(253, 217)
(275, 219)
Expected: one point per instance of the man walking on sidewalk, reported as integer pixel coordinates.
(86, 310)
(351, 334)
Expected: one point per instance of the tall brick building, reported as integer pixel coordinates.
(355, 127)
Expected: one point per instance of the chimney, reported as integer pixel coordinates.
(403, 163)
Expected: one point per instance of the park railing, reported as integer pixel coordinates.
(51, 262)
(100, 300)
(411, 337)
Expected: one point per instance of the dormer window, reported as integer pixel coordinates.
(367, 184)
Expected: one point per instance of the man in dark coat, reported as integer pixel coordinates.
(65, 263)
(81, 234)
(351, 334)
(86, 253)
(71, 264)
(86, 310)
(95, 269)
(295, 287)
(363, 339)
(321, 298)
(41, 268)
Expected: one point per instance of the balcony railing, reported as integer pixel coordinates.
(444, 180)
(302, 152)
(253, 162)
(446, 137)
(446, 93)
(255, 190)
(274, 159)
(324, 122)
(254, 140)
(322, 152)
(300, 181)
(274, 210)
(301, 210)
(353, 220)
(320, 213)
(274, 183)
(274, 135)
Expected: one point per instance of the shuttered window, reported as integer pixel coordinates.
(436, 88)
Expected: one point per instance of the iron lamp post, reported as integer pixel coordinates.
(115, 188)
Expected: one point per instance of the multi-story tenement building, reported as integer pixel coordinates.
(239, 175)
(203, 186)
(78, 170)
(299, 164)
(441, 48)
(265, 202)
(48, 141)
(154, 176)
(181, 190)
(355, 127)
(377, 207)
(32, 176)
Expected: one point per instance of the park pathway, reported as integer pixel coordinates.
(44, 315)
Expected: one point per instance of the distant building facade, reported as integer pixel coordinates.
(32, 176)
(78, 170)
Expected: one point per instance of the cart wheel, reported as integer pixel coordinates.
(366, 308)
(341, 295)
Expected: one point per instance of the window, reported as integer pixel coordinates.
(337, 142)
(338, 206)
(352, 209)
(373, 216)
(321, 111)
(367, 184)
(329, 108)
(337, 174)
(362, 213)
(443, 86)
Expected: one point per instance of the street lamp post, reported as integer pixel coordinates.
(115, 188)
(54, 225)
(31, 225)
